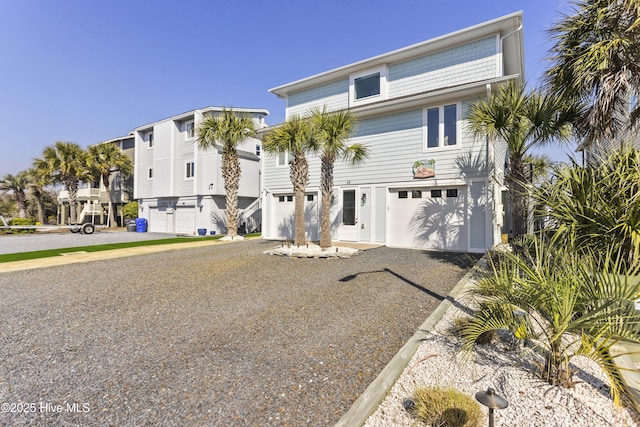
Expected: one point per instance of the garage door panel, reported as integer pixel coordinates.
(185, 217)
(418, 220)
(157, 220)
(284, 216)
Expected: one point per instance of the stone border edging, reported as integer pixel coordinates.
(372, 397)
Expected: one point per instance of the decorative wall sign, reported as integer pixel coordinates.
(424, 169)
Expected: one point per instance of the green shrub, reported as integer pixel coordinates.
(130, 210)
(23, 221)
(438, 406)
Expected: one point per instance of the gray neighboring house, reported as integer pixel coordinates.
(427, 183)
(179, 186)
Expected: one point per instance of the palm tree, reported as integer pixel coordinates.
(334, 130)
(228, 129)
(296, 137)
(37, 182)
(522, 120)
(66, 163)
(105, 159)
(17, 185)
(598, 206)
(564, 303)
(596, 60)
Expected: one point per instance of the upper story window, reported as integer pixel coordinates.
(258, 149)
(441, 127)
(150, 139)
(189, 129)
(190, 170)
(283, 159)
(368, 86)
(150, 173)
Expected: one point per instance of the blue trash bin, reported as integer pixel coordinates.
(141, 225)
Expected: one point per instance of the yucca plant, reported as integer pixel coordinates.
(566, 304)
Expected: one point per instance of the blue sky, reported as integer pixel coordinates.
(88, 71)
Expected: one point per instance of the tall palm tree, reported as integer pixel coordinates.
(295, 137)
(334, 130)
(37, 182)
(106, 159)
(596, 60)
(522, 120)
(66, 163)
(17, 185)
(227, 129)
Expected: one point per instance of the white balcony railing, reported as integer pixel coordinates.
(84, 194)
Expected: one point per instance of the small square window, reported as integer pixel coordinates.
(309, 197)
(452, 192)
(367, 86)
(281, 199)
(436, 193)
(416, 194)
(402, 194)
(289, 198)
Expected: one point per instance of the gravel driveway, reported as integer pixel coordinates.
(222, 335)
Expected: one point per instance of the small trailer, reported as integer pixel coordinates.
(86, 228)
(86, 225)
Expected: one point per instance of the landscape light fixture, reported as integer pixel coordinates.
(492, 401)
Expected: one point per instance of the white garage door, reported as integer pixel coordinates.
(283, 221)
(428, 218)
(185, 219)
(157, 220)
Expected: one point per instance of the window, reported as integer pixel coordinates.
(416, 194)
(150, 173)
(367, 86)
(349, 207)
(190, 169)
(258, 149)
(289, 198)
(283, 159)
(150, 140)
(281, 199)
(436, 193)
(402, 194)
(452, 192)
(441, 126)
(309, 197)
(189, 129)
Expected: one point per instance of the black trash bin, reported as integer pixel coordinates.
(131, 225)
(141, 225)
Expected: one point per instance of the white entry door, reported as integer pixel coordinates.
(349, 230)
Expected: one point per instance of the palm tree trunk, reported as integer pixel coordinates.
(73, 201)
(299, 174)
(40, 212)
(326, 185)
(231, 176)
(518, 196)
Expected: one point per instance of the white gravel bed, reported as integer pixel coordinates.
(532, 402)
(312, 251)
